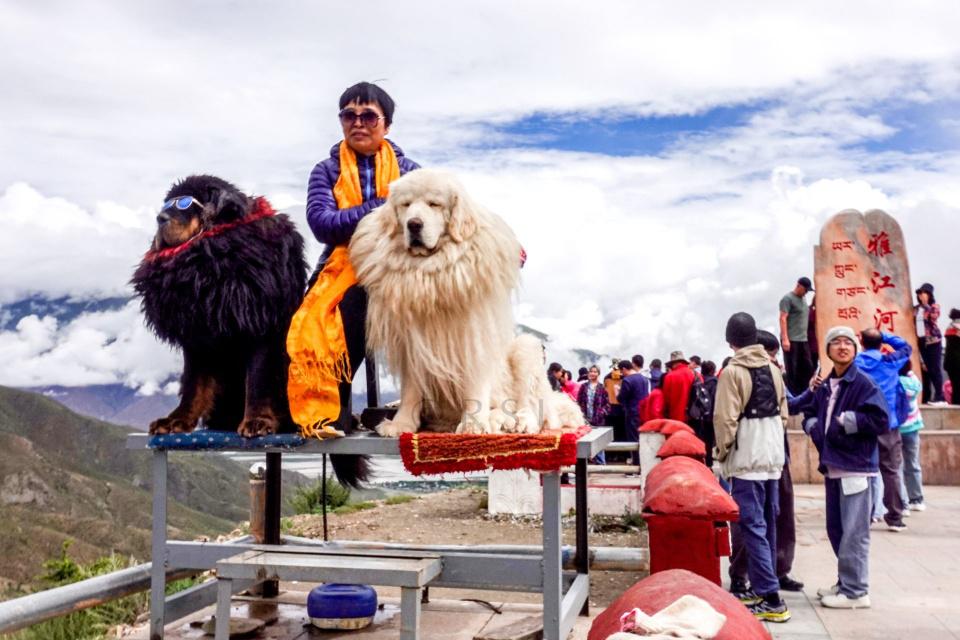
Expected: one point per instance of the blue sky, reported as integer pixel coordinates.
(617, 132)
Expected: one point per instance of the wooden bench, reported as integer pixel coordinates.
(410, 571)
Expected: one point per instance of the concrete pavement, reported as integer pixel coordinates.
(914, 576)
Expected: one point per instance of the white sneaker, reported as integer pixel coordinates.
(828, 591)
(917, 506)
(905, 513)
(840, 601)
(897, 528)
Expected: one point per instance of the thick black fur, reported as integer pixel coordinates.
(226, 300)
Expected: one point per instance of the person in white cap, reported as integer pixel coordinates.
(845, 416)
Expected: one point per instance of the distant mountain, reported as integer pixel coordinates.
(64, 309)
(63, 475)
(114, 403)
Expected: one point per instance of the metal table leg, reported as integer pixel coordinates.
(409, 613)
(158, 545)
(583, 515)
(552, 561)
(224, 592)
(271, 529)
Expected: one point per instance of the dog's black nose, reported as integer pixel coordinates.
(163, 218)
(415, 225)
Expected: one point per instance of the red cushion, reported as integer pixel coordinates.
(682, 486)
(658, 591)
(682, 443)
(675, 427)
(658, 424)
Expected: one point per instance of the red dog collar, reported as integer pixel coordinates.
(261, 209)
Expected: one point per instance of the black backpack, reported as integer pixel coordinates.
(699, 404)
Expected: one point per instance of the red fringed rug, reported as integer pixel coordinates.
(434, 453)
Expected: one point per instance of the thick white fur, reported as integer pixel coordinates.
(439, 309)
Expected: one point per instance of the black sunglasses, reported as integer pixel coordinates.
(368, 118)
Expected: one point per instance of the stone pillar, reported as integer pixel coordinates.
(862, 278)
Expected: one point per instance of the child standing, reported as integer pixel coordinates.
(910, 434)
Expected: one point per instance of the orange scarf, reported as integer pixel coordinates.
(316, 342)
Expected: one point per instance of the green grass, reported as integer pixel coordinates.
(353, 507)
(89, 624)
(400, 499)
(309, 499)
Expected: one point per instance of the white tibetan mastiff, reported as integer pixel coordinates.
(440, 271)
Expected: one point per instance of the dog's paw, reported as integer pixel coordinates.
(527, 422)
(257, 426)
(501, 422)
(163, 426)
(393, 428)
(475, 424)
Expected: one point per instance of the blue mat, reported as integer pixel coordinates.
(209, 439)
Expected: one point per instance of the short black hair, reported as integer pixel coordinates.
(871, 338)
(697, 360)
(954, 314)
(367, 93)
(637, 361)
(554, 367)
(768, 341)
(624, 364)
(708, 368)
(906, 368)
(655, 363)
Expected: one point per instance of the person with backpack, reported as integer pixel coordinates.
(748, 421)
(700, 407)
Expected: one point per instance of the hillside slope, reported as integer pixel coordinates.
(63, 475)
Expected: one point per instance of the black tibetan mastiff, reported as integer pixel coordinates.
(222, 280)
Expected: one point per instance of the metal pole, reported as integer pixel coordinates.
(271, 588)
(552, 560)
(583, 541)
(373, 382)
(158, 545)
(323, 496)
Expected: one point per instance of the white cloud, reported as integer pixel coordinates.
(642, 253)
(96, 348)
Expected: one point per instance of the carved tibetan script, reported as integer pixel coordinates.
(862, 277)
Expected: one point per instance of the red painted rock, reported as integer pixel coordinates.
(659, 590)
(683, 443)
(658, 424)
(681, 486)
(676, 427)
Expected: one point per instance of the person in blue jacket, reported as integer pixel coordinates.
(366, 113)
(844, 417)
(884, 370)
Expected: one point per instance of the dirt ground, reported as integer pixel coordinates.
(459, 516)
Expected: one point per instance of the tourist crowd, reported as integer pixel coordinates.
(860, 407)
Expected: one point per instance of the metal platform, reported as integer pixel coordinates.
(541, 573)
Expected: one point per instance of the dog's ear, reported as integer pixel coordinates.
(223, 205)
(463, 219)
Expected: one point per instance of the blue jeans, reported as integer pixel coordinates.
(912, 473)
(759, 504)
(848, 527)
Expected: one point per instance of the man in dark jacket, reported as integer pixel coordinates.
(844, 418)
(884, 370)
(366, 113)
(634, 387)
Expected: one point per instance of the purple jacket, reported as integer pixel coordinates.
(333, 226)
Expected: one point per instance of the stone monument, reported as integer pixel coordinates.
(862, 278)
